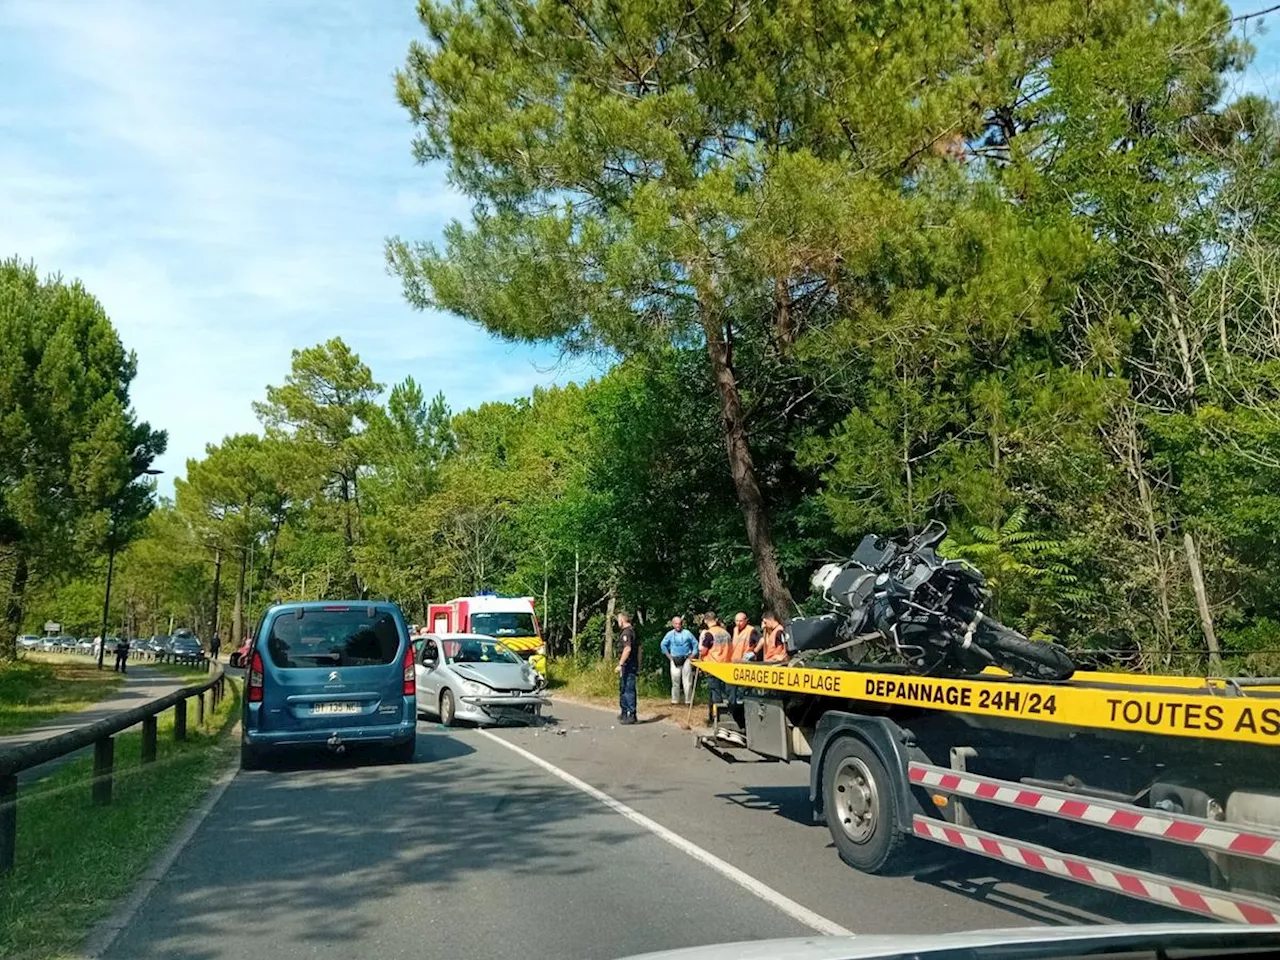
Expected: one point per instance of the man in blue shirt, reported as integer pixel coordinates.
(679, 646)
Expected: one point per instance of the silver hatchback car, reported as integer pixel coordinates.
(467, 676)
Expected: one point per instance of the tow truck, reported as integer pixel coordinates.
(1165, 789)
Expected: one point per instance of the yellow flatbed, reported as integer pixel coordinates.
(1217, 709)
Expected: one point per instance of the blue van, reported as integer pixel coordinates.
(331, 674)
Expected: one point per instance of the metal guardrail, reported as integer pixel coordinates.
(100, 736)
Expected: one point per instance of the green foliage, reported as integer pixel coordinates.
(1010, 264)
(70, 446)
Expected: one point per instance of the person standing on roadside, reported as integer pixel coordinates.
(679, 646)
(714, 648)
(774, 647)
(744, 646)
(122, 654)
(746, 640)
(215, 644)
(628, 669)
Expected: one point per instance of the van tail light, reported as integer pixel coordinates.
(255, 678)
(410, 688)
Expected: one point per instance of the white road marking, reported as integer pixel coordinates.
(749, 883)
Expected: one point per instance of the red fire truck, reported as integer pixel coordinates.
(510, 619)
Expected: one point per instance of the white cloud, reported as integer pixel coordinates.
(222, 175)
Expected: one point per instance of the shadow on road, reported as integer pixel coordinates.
(1028, 895)
(791, 803)
(319, 850)
(1034, 896)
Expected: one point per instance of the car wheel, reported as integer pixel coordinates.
(403, 752)
(250, 757)
(447, 708)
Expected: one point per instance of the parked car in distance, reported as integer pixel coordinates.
(159, 645)
(333, 674)
(463, 676)
(29, 641)
(85, 644)
(184, 648)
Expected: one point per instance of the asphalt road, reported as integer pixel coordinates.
(476, 851)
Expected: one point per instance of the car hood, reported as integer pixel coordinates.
(500, 676)
(1028, 942)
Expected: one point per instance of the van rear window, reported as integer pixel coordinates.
(333, 638)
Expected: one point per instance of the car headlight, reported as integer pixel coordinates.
(473, 689)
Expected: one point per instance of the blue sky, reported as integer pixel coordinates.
(222, 175)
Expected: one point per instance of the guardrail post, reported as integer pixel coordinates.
(104, 753)
(180, 720)
(200, 710)
(8, 821)
(148, 739)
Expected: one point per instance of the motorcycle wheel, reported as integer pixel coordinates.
(1033, 659)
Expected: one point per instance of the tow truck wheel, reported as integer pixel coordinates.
(859, 802)
(446, 708)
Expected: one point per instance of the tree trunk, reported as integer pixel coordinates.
(217, 586)
(349, 536)
(1202, 601)
(13, 610)
(573, 627)
(750, 498)
(609, 613)
(546, 610)
(106, 602)
(237, 615)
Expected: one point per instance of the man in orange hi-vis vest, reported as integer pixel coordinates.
(714, 645)
(746, 640)
(775, 645)
(744, 646)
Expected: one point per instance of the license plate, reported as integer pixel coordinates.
(339, 707)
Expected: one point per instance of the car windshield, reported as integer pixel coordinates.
(477, 651)
(341, 637)
(503, 624)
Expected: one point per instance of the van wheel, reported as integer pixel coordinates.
(861, 808)
(250, 758)
(446, 708)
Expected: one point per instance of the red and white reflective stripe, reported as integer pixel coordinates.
(1254, 842)
(1096, 873)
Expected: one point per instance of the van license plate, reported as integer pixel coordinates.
(344, 706)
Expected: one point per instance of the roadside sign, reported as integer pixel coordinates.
(51, 627)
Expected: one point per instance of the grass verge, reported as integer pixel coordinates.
(40, 687)
(191, 674)
(75, 860)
